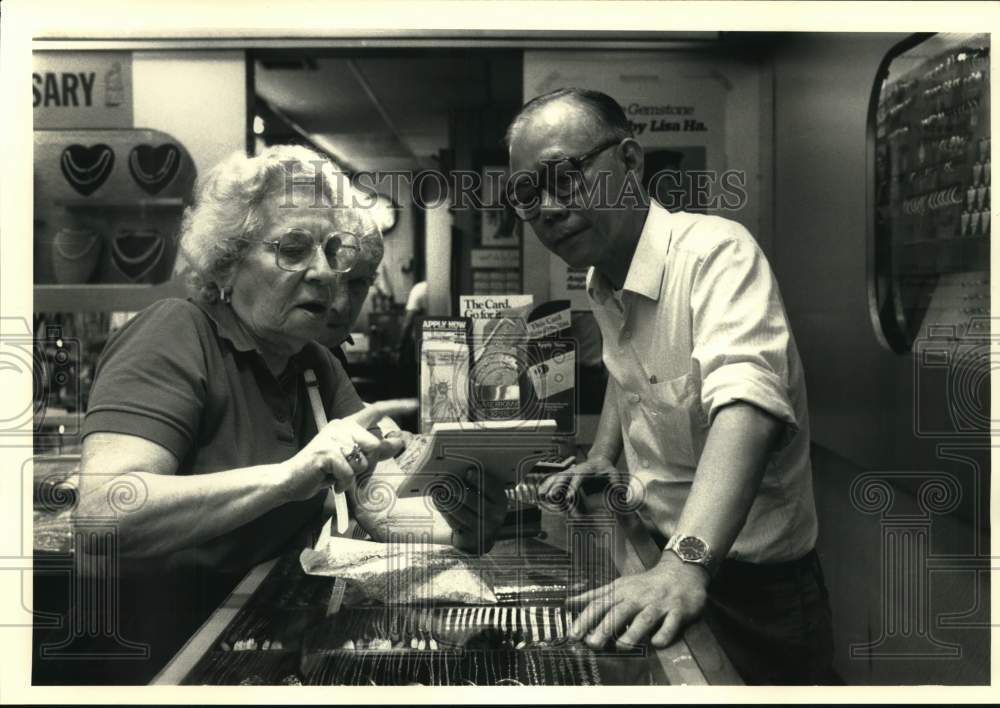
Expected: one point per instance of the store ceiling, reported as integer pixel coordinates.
(384, 110)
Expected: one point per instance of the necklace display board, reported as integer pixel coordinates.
(108, 206)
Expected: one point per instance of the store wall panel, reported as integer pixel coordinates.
(438, 250)
(398, 258)
(399, 246)
(822, 87)
(865, 610)
(199, 97)
(868, 443)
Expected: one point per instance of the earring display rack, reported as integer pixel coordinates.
(932, 189)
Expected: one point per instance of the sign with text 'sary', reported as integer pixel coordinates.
(81, 90)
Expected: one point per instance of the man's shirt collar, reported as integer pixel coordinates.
(645, 273)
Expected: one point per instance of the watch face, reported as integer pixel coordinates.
(691, 548)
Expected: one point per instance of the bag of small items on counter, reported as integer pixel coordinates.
(400, 573)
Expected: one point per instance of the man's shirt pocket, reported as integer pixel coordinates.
(673, 413)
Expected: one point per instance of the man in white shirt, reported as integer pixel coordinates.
(706, 398)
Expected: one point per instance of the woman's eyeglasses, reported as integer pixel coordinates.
(560, 177)
(294, 250)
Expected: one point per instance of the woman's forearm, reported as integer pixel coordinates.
(168, 512)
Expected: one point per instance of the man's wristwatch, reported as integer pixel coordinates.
(694, 550)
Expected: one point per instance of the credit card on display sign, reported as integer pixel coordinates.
(553, 376)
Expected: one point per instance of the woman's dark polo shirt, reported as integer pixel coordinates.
(190, 378)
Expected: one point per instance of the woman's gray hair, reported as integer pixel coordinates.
(227, 216)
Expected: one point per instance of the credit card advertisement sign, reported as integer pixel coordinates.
(444, 371)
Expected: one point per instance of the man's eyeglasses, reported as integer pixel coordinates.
(295, 249)
(560, 177)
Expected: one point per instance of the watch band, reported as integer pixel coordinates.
(693, 550)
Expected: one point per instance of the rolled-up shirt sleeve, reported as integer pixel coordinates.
(740, 332)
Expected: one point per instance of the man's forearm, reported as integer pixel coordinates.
(729, 475)
(608, 438)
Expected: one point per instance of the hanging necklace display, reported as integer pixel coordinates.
(137, 252)
(400, 667)
(333, 673)
(559, 667)
(86, 168)
(530, 669)
(75, 255)
(80, 180)
(595, 672)
(578, 655)
(153, 168)
(354, 670)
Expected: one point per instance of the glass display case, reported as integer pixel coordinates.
(929, 137)
(283, 627)
(929, 132)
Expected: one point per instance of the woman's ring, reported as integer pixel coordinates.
(353, 456)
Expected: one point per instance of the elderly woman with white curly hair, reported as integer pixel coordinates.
(202, 405)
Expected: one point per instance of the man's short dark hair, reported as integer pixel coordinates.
(605, 109)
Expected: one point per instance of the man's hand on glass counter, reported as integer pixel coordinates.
(662, 601)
